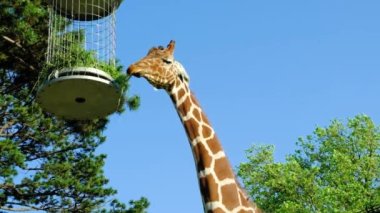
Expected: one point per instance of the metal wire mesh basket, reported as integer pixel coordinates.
(81, 60)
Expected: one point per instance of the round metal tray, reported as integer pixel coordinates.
(79, 93)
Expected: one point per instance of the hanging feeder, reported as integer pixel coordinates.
(81, 60)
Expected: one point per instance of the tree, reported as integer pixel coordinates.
(45, 163)
(336, 169)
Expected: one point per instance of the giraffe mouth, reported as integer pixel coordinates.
(133, 72)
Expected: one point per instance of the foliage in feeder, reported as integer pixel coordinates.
(83, 79)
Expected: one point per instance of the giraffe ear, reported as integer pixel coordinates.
(171, 47)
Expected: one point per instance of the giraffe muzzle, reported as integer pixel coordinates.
(131, 71)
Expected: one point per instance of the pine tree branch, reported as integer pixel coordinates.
(25, 209)
(15, 192)
(6, 38)
(34, 169)
(46, 154)
(25, 63)
(13, 42)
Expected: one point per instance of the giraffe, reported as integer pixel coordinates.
(220, 190)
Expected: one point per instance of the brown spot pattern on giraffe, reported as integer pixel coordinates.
(217, 210)
(223, 169)
(208, 183)
(197, 114)
(206, 131)
(184, 108)
(191, 127)
(204, 160)
(214, 145)
(181, 93)
(230, 196)
(248, 211)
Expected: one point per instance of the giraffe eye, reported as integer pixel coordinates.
(166, 61)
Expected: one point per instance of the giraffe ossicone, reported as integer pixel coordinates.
(220, 190)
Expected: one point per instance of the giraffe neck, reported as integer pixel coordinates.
(219, 188)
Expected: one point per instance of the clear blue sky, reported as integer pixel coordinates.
(264, 71)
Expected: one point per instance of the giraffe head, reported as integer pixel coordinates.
(160, 68)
